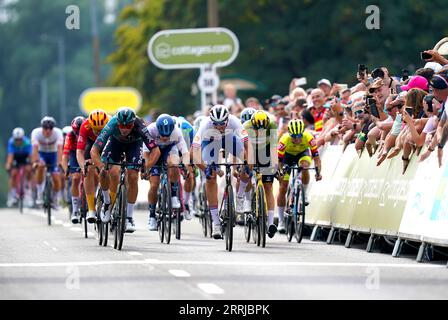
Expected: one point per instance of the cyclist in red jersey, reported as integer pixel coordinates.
(88, 133)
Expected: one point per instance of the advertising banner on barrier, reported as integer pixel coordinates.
(425, 216)
(320, 208)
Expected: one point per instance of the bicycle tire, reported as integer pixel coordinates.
(203, 217)
(299, 222)
(262, 215)
(116, 218)
(160, 214)
(105, 227)
(168, 213)
(84, 211)
(123, 216)
(178, 224)
(47, 200)
(230, 212)
(99, 223)
(289, 221)
(247, 227)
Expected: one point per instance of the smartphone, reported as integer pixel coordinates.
(374, 110)
(425, 55)
(409, 110)
(428, 100)
(404, 74)
(300, 82)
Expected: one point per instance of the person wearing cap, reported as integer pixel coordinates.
(325, 86)
(418, 82)
(380, 91)
(439, 85)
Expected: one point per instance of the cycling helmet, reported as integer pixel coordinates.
(98, 119)
(296, 127)
(260, 120)
(18, 133)
(165, 124)
(66, 130)
(247, 114)
(76, 124)
(219, 113)
(48, 122)
(125, 116)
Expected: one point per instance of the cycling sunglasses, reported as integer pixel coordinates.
(126, 126)
(296, 136)
(220, 124)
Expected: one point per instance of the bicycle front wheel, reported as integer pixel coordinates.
(168, 213)
(230, 212)
(47, 200)
(262, 216)
(123, 216)
(299, 216)
(99, 223)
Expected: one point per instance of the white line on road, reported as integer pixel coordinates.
(226, 263)
(179, 273)
(134, 253)
(210, 288)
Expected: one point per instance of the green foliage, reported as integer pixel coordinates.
(279, 39)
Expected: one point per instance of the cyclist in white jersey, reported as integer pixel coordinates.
(220, 130)
(47, 142)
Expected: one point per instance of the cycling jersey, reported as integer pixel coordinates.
(286, 145)
(187, 130)
(22, 149)
(47, 145)
(139, 132)
(86, 133)
(264, 136)
(207, 131)
(176, 139)
(70, 143)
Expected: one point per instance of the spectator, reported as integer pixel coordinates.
(253, 103)
(318, 98)
(230, 96)
(416, 82)
(325, 86)
(426, 73)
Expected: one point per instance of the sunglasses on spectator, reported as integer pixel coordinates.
(126, 126)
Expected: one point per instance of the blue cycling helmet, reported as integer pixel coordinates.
(165, 124)
(246, 114)
(125, 116)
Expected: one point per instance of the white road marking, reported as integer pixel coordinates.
(179, 273)
(134, 253)
(226, 263)
(210, 288)
(54, 249)
(46, 243)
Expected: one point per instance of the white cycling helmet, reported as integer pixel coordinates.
(219, 113)
(66, 129)
(18, 133)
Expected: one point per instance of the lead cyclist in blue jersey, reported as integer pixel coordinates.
(125, 132)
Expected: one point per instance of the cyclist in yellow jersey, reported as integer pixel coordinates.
(296, 147)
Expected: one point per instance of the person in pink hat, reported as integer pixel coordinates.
(418, 82)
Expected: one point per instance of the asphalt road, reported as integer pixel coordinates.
(55, 262)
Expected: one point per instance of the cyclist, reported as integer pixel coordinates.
(262, 131)
(19, 154)
(90, 129)
(47, 145)
(246, 114)
(170, 141)
(197, 122)
(189, 183)
(124, 132)
(294, 148)
(219, 130)
(69, 159)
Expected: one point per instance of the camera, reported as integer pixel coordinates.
(428, 98)
(425, 55)
(377, 73)
(404, 74)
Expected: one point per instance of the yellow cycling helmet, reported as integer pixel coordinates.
(296, 128)
(98, 119)
(260, 120)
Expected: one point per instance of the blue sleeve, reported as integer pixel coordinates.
(104, 135)
(11, 149)
(29, 147)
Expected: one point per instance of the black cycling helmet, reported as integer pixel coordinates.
(48, 122)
